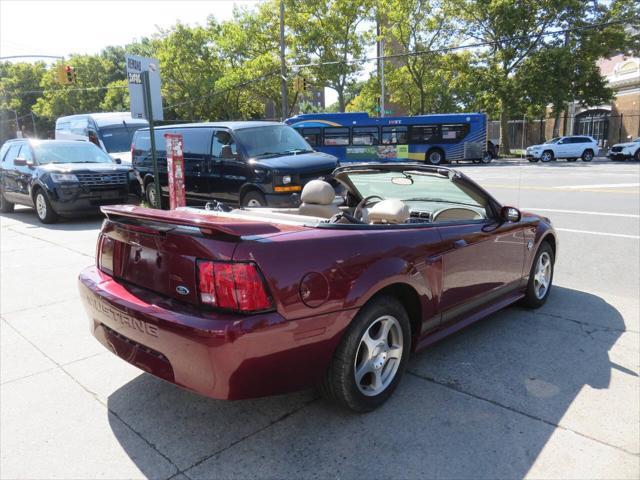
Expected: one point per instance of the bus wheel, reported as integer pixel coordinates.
(486, 157)
(435, 157)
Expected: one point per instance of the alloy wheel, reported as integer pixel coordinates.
(41, 206)
(379, 355)
(546, 157)
(253, 203)
(542, 277)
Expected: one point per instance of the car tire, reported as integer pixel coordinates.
(150, 195)
(571, 159)
(587, 155)
(365, 352)
(540, 277)
(486, 158)
(254, 199)
(44, 210)
(636, 156)
(5, 206)
(547, 156)
(434, 157)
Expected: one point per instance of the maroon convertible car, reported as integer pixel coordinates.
(238, 303)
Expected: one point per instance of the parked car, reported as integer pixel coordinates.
(571, 148)
(626, 151)
(252, 163)
(59, 178)
(111, 131)
(244, 302)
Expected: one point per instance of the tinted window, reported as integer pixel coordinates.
(117, 139)
(270, 140)
(222, 138)
(336, 136)
(424, 134)
(394, 135)
(11, 154)
(195, 141)
(313, 136)
(454, 132)
(365, 136)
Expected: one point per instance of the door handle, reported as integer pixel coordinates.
(460, 243)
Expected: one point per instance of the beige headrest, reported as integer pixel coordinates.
(389, 211)
(318, 192)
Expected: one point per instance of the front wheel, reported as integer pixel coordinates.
(371, 358)
(486, 158)
(540, 277)
(151, 194)
(44, 210)
(587, 156)
(546, 156)
(636, 157)
(254, 199)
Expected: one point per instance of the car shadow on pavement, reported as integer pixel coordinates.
(28, 217)
(480, 404)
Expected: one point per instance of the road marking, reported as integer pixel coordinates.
(600, 185)
(605, 234)
(581, 212)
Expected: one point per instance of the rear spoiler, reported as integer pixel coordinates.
(209, 223)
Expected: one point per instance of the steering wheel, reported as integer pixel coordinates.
(339, 216)
(357, 212)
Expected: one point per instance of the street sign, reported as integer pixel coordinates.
(135, 67)
(175, 170)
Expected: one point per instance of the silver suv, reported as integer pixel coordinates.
(571, 148)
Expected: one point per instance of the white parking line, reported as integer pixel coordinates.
(602, 185)
(581, 212)
(604, 234)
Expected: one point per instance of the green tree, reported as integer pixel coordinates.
(19, 91)
(331, 32)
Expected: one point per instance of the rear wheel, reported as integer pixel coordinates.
(371, 357)
(547, 156)
(5, 206)
(152, 197)
(540, 277)
(587, 155)
(435, 157)
(253, 199)
(486, 157)
(636, 157)
(44, 210)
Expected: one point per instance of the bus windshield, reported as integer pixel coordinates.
(118, 138)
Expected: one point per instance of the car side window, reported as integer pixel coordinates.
(223, 145)
(11, 154)
(25, 152)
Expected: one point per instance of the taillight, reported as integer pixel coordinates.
(232, 286)
(104, 258)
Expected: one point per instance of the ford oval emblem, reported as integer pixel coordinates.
(182, 290)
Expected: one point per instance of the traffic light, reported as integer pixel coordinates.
(66, 74)
(304, 84)
(300, 84)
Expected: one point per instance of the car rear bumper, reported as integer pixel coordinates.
(220, 355)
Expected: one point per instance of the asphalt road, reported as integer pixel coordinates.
(552, 393)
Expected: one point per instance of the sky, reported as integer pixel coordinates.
(63, 27)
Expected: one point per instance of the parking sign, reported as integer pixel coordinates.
(135, 66)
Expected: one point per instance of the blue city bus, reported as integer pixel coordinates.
(433, 139)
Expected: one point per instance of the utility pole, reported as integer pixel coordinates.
(283, 68)
(380, 51)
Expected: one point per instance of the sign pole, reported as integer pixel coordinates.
(149, 114)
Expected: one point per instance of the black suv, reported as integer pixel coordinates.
(59, 177)
(249, 163)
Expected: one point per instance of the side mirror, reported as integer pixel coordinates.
(510, 214)
(20, 162)
(118, 160)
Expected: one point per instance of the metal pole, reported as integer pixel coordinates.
(283, 67)
(154, 159)
(33, 120)
(382, 77)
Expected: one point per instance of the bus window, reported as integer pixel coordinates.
(424, 134)
(454, 133)
(312, 136)
(336, 136)
(394, 135)
(365, 136)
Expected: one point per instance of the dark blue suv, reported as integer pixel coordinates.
(248, 163)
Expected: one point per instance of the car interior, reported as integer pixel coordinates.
(320, 205)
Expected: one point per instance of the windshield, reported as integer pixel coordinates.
(272, 140)
(80, 152)
(636, 140)
(413, 186)
(118, 138)
(553, 140)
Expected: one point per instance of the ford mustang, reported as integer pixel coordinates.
(336, 293)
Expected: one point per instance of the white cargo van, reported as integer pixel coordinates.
(111, 131)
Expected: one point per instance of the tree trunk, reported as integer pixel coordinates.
(505, 147)
(341, 102)
(556, 122)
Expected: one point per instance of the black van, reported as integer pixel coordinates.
(249, 163)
